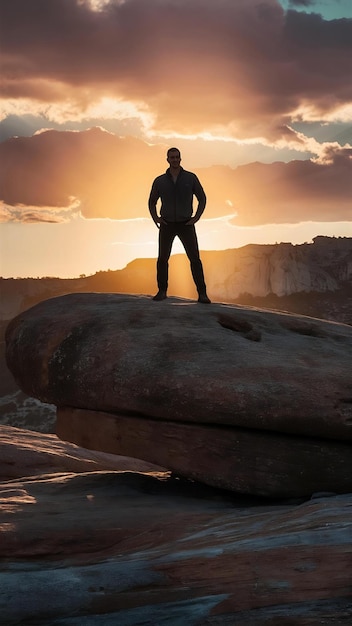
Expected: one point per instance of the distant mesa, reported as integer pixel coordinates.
(252, 401)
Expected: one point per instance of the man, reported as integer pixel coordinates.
(176, 189)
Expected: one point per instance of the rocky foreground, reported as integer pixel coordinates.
(92, 539)
(257, 403)
(254, 401)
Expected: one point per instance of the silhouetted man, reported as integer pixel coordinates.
(176, 189)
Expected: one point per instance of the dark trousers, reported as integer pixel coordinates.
(188, 237)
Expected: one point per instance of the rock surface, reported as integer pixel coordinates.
(27, 453)
(181, 361)
(252, 401)
(111, 547)
(16, 408)
(245, 461)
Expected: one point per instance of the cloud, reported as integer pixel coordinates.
(32, 214)
(301, 3)
(285, 192)
(244, 68)
(104, 176)
(294, 192)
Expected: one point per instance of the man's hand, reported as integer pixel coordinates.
(158, 221)
(192, 221)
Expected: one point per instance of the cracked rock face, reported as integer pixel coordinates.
(249, 400)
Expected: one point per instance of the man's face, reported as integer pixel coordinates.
(174, 159)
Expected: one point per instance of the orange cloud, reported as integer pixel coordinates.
(280, 193)
(106, 176)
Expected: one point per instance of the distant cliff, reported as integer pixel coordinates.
(281, 269)
(282, 276)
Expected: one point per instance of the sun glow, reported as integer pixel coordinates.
(256, 100)
(99, 5)
(108, 108)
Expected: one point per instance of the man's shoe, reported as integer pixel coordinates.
(203, 298)
(161, 295)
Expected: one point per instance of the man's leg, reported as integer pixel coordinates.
(166, 237)
(188, 236)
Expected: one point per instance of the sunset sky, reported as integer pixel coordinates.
(257, 94)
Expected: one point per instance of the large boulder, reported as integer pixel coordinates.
(252, 401)
(181, 361)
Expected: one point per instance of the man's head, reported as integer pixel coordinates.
(174, 158)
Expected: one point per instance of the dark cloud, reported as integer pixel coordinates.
(106, 176)
(312, 32)
(197, 65)
(301, 3)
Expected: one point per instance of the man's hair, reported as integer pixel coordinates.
(173, 150)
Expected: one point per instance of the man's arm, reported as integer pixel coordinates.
(153, 199)
(202, 200)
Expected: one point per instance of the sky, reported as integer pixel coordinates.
(257, 95)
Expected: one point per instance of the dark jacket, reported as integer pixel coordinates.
(177, 198)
